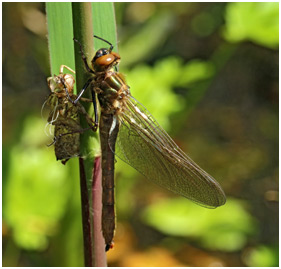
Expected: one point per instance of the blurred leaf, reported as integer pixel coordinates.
(203, 24)
(34, 176)
(196, 70)
(154, 257)
(154, 85)
(262, 256)
(257, 22)
(225, 228)
(140, 45)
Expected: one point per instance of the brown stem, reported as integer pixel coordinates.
(86, 221)
(98, 240)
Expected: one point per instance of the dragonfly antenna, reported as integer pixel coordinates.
(111, 46)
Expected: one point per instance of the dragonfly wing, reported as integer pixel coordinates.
(144, 145)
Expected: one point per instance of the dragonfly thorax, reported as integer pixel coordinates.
(114, 93)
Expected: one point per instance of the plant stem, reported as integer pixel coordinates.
(94, 250)
(86, 221)
(99, 251)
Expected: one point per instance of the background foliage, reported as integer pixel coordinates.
(208, 72)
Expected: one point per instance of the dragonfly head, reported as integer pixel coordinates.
(105, 59)
(100, 53)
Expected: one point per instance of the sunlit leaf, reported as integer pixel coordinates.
(226, 228)
(256, 22)
(262, 256)
(34, 178)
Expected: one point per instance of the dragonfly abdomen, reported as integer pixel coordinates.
(107, 149)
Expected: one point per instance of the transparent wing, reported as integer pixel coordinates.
(144, 145)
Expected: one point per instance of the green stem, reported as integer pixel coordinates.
(83, 31)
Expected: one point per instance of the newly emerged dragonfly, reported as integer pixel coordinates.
(129, 131)
(64, 115)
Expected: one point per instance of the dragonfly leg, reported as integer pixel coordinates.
(84, 58)
(66, 91)
(54, 141)
(66, 67)
(87, 100)
(86, 85)
(93, 124)
(95, 107)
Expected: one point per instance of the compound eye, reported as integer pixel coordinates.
(100, 53)
(105, 60)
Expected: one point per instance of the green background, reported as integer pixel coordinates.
(208, 72)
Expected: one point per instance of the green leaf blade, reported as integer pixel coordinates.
(60, 33)
(104, 24)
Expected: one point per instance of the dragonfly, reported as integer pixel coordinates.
(64, 115)
(129, 131)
